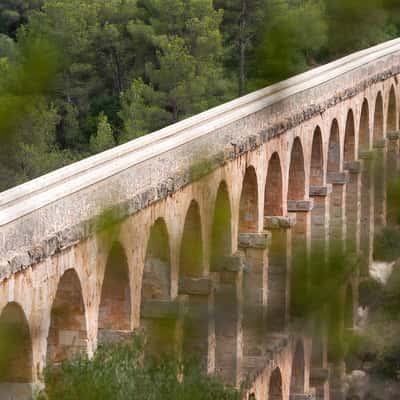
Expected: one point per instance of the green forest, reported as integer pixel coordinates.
(80, 76)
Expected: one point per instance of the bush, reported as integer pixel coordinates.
(121, 372)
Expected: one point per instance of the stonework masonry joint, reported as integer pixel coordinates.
(254, 240)
(279, 222)
(338, 178)
(300, 205)
(353, 167)
(320, 191)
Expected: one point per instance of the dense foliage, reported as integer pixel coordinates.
(78, 77)
(120, 372)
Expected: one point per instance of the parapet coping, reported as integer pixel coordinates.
(38, 193)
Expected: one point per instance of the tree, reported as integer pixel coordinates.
(184, 75)
(287, 47)
(13, 13)
(356, 24)
(242, 22)
(104, 138)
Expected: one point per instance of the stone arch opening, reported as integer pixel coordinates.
(195, 337)
(67, 332)
(378, 119)
(273, 203)
(349, 139)
(392, 111)
(115, 302)
(298, 368)
(317, 159)
(221, 236)
(15, 346)
(275, 385)
(297, 176)
(159, 324)
(248, 211)
(333, 150)
(191, 253)
(364, 127)
(157, 269)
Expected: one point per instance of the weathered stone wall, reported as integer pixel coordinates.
(50, 232)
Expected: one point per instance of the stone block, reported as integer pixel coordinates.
(354, 167)
(338, 178)
(279, 222)
(196, 286)
(394, 135)
(320, 191)
(236, 262)
(300, 205)
(254, 240)
(380, 143)
(366, 155)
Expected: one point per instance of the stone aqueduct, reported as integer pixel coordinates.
(209, 211)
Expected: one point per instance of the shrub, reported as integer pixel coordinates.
(120, 372)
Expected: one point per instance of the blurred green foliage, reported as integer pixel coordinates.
(120, 372)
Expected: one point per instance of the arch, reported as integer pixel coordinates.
(67, 332)
(115, 301)
(275, 385)
(191, 253)
(156, 281)
(248, 211)
(159, 328)
(15, 346)
(273, 203)
(363, 136)
(298, 367)
(221, 236)
(317, 159)
(334, 149)
(378, 118)
(392, 111)
(297, 176)
(349, 138)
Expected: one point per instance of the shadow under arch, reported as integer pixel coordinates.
(297, 176)
(299, 275)
(367, 195)
(115, 301)
(349, 151)
(158, 322)
(392, 111)
(248, 211)
(191, 261)
(275, 385)
(221, 236)
(15, 354)
(353, 185)
(317, 159)
(273, 198)
(378, 133)
(278, 252)
(67, 333)
(364, 128)
(333, 165)
(191, 269)
(379, 166)
(298, 371)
